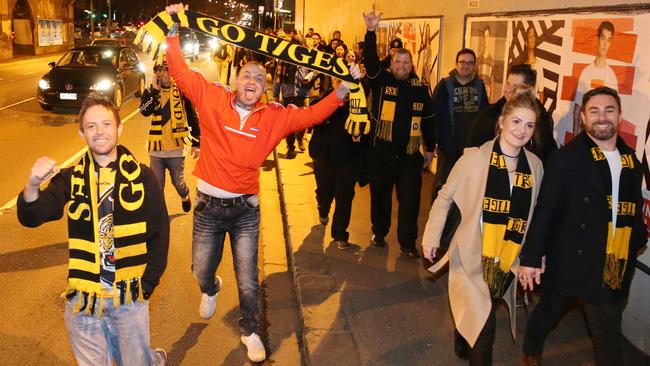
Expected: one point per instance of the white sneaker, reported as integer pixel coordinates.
(254, 346)
(208, 303)
(159, 357)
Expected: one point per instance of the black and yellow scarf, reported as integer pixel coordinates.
(618, 239)
(129, 232)
(152, 36)
(505, 216)
(170, 108)
(388, 103)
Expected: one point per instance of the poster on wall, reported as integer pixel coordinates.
(421, 36)
(572, 53)
(50, 32)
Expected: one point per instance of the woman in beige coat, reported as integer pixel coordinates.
(495, 187)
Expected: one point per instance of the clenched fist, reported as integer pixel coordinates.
(42, 170)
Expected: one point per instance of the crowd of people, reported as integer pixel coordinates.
(508, 206)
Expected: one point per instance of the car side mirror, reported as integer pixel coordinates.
(51, 64)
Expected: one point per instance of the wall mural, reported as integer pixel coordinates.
(572, 53)
(422, 37)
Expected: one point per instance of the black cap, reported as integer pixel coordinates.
(396, 43)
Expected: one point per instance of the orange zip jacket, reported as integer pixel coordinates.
(231, 156)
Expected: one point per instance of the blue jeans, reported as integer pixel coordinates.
(240, 218)
(120, 334)
(176, 166)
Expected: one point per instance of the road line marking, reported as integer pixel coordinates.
(29, 73)
(75, 156)
(15, 104)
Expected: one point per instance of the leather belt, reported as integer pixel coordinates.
(223, 202)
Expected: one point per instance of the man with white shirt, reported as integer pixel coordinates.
(588, 226)
(238, 133)
(596, 74)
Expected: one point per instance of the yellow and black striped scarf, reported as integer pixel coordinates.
(505, 216)
(618, 239)
(171, 108)
(129, 232)
(388, 108)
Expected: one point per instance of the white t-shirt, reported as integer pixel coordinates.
(592, 75)
(615, 167)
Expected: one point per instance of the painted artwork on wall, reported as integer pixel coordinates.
(50, 32)
(575, 52)
(421, 36)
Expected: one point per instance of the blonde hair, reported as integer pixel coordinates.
(524, 98)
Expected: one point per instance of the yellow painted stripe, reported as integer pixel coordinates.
(129, 273)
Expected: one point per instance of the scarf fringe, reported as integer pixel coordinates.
(414, 145)
(614, 271)
(497, 280)
(385, 130)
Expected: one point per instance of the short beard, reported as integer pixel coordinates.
(599, 134)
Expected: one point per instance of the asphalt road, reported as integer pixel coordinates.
(33, 262)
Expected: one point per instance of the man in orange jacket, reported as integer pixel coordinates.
(237, 134)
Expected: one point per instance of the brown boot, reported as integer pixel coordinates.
(531, 360)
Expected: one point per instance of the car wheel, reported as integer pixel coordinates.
(138, 93)
(117, 96)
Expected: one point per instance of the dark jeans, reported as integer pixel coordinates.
(604, 322)
(214, 218)
(335, 182)
(176, 166)
(388, 168)
(444, 164)
(481, 353)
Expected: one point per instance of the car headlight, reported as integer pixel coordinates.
(141, 67)
(214, 44)
(187, 47)
(164, 46)
(43, 84)
(102, 85)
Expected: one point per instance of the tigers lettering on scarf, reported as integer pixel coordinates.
(505, 215)
(129, 233)
(152, 36)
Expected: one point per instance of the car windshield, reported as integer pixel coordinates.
(89, 57)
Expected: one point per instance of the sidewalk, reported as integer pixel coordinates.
(371, 306)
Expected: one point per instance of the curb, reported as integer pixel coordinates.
(291, 264)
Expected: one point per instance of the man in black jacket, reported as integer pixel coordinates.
(586, 232)
(401, 113)
(118, 231)
(483, 128)
(174, 125)
(457, 100)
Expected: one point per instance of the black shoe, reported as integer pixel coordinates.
(342, 244)
(461, 347)
(186, 204)
(411, 253)
(291, 153)
(378, 242)
(324, 220)
(301, 145)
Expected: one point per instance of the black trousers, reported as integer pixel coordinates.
(336, 182)
(388, 168)
(604, 322)
(481, 353)
(291, 138)
(444, 164)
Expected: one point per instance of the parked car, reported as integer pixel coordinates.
(114, 71)
(189, 44)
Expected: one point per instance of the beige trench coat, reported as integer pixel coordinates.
(469, 295)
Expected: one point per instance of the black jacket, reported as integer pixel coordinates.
(569, 225)
(149, 105)
(483, 129)
(451, 134)
(330, 143)
(52, 200)
(379, 79)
